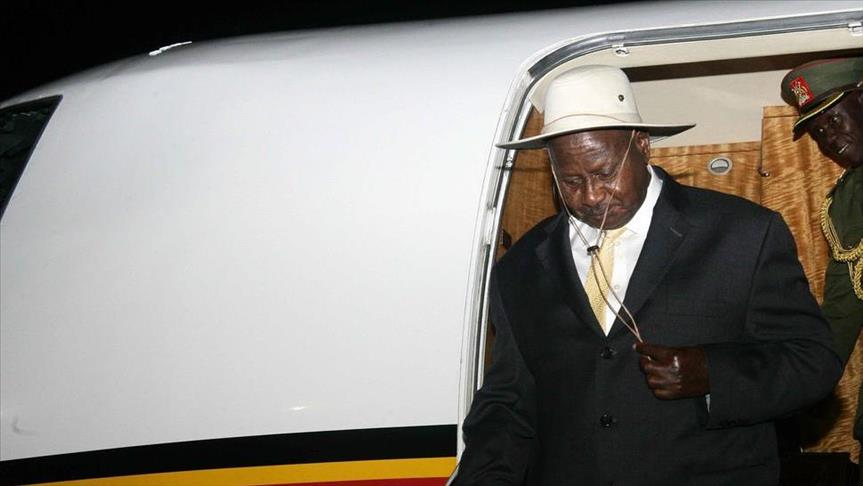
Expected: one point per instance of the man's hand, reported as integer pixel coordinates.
(674, 373)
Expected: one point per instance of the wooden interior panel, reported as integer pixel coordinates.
(530, 196)
(799, 179)
(688, 165)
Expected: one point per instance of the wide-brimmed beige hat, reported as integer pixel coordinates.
(590, 98)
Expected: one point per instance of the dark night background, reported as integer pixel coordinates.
(44, 40)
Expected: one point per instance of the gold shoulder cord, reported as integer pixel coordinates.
(853, 256)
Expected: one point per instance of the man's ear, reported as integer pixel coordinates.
(642, 143)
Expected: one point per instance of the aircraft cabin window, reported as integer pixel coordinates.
(20, 129)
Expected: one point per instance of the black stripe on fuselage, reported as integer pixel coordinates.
(261, 450)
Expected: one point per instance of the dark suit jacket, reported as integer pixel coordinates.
(564, 404)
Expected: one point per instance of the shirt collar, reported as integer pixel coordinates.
(640, 223)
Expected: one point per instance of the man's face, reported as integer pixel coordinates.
(587, 165)
(839, 131)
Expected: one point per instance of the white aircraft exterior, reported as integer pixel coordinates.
(262, 259)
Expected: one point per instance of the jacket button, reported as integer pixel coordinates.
(607, 353)
(606, 420)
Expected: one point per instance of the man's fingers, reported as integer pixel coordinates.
(655, 382)
(645, 364)
(661, 367)
(654, 351)
(660, 373)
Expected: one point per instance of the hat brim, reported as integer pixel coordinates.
(656, 131)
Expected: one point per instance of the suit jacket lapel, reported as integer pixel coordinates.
(555, 253)
(667, 231)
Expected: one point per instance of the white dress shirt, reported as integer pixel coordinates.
(627, 248)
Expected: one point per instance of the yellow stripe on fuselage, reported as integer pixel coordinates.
(289, 474)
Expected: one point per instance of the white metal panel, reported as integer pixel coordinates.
(726, 108)
(263, 235)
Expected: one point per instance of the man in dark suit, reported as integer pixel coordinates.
(650, 332)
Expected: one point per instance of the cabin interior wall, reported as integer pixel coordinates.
(690, 165)
(799, 179)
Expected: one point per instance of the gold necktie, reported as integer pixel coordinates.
(597, 293)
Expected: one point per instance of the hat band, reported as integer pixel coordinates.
(550, 126)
